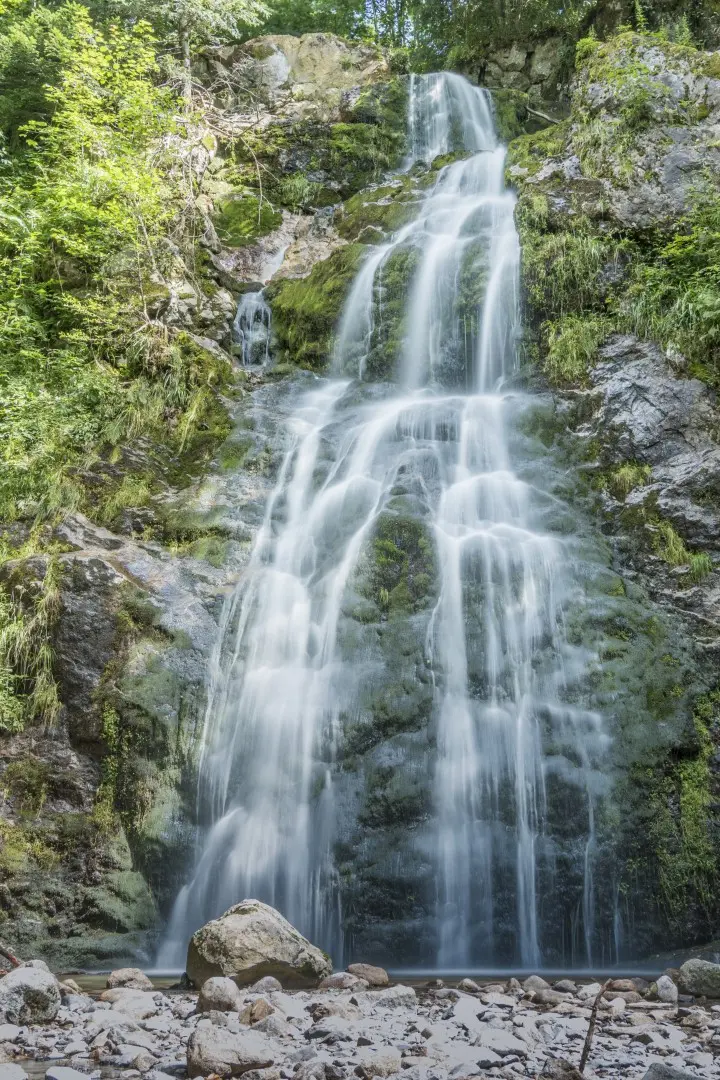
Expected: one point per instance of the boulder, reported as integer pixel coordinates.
(373, 976)
(343, 980)
(12, 1072)
(252, 940)
(468, 986)
(133, 978)
(535, 982)
(29, 995)
(666, 990)
(265, 986)
(221, 994)
(220, 1051)
(697, 977)
(658, 1071)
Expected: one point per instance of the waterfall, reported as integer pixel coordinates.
(441, 440)
(251, 329)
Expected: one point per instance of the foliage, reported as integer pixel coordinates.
(572, 342)
(85, 206)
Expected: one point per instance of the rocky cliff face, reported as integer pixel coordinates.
(617, 213)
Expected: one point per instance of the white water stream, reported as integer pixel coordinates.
(280, 685)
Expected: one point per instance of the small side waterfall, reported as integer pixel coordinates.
(251, 330)
(444, 439)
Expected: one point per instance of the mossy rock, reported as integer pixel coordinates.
(240, 219)
(306, 311)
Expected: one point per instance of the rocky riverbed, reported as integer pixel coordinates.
(353, 1026)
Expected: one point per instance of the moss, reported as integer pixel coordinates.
(392, 799)
(399, 571)
(305, 311)
(624, 478)
(510, 110)
(682, 830)
(392, 285)
(27, 782)
(240, 219)
(386, 208)
(529, 153)
(572, 345)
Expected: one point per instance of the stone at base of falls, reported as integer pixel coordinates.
(700, 978)
(535, 982)
(29, 995)
(373, 976)
(343, 980)
(220, 993)
(251, 940)
(217, 1050)
(12, 1072)
(560, 1069)
(132, 978)
(666, 990)
(657, 1071)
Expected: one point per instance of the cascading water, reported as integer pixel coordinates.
(251, 329)
(441, 442)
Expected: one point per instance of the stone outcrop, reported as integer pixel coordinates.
(252, 940)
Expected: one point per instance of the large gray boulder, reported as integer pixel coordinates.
(659, 1071)
(220, 1051)
(701, 978)
(252, 940)
(29, 995)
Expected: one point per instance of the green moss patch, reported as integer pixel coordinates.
(306, 311)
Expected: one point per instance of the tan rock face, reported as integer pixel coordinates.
(314, 64)
(252, 940)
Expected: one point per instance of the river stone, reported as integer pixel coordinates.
(265, 986)
(373, 976)
(29, 995)
(251, 940)
(468, 986)
(343, 980)
(697, 977)
(63, 1072)
(535, 982)
(220, 1051)
(220, 993)
(132, 978)
(658, 1071)
(666, 990)
(12, 1072)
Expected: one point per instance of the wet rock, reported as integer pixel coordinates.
(373, 976)
(29, 995)
(220, 993)
(624, 985)
(468, 986)
(565, 986)
(697, 977)
(535, 982)
(252, 940)
(217, 1050)
(132, 978)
